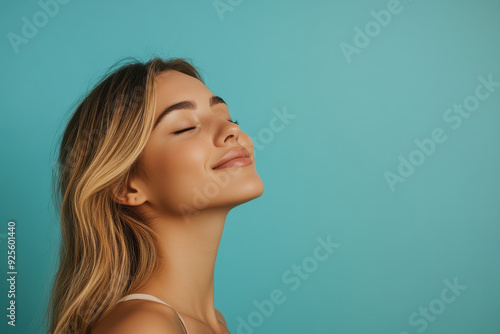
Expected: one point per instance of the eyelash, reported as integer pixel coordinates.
(194, 127)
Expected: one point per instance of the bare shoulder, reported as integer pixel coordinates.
(221, 317)
(139, 316)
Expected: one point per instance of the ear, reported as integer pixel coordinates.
(134, 193)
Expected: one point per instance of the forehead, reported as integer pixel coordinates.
(172, 85)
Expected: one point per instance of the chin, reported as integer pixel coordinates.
(253, 189)
(242, 191)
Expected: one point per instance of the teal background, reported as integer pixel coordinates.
(323, 172)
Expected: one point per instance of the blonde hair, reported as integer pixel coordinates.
(107, 250)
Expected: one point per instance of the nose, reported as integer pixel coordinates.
(225, 132)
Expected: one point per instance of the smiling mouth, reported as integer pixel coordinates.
(235, 157)
(236, 162)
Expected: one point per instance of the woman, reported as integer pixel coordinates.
(150, 164)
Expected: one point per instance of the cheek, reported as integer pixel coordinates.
(189, 155)
(179, 170)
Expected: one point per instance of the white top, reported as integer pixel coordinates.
(154, 299)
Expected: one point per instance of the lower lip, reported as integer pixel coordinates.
(239, 162)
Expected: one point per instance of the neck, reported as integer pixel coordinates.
(188, 250)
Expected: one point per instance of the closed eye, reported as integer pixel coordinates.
(184, 130)
(194, 127)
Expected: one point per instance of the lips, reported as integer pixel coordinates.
(238, 155)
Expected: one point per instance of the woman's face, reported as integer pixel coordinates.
(179, 164)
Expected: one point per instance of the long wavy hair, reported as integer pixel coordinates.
(107, 250)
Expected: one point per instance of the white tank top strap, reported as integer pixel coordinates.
(154, 299)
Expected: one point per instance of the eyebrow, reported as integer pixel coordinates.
(187, 105)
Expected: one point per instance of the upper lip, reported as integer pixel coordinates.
(239, 152)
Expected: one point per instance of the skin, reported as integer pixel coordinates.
(175, 167)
